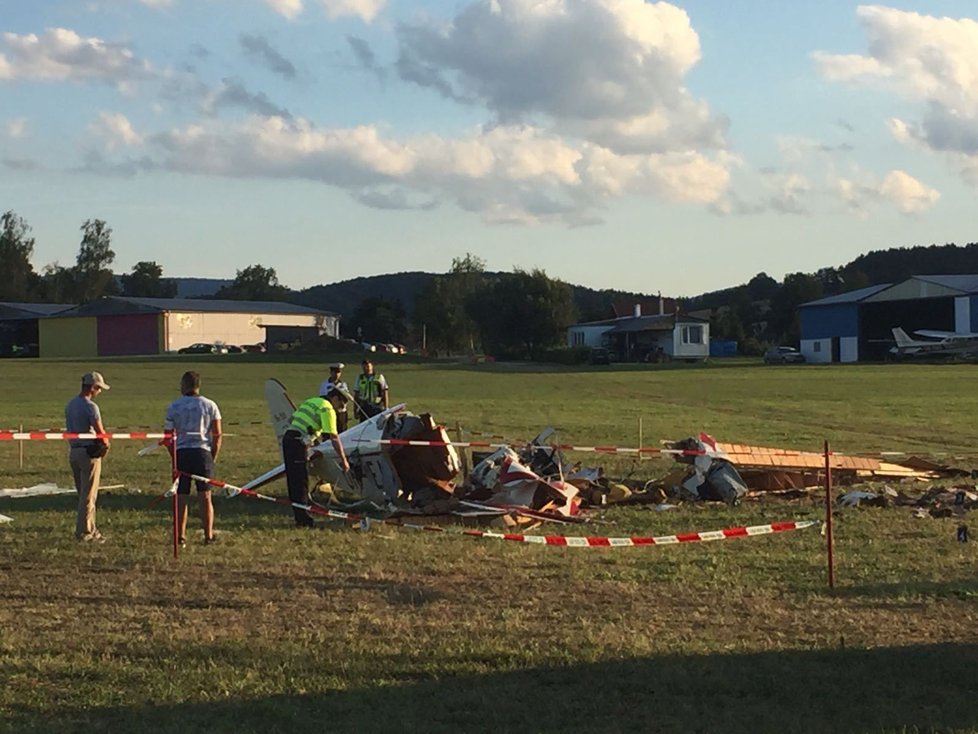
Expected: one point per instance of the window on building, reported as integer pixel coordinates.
(816, 346)
(692, 335)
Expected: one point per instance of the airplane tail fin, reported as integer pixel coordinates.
(280, 406)
(902, 339)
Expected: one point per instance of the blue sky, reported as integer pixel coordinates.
(674, 147)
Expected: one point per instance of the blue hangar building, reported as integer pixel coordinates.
(858, 326)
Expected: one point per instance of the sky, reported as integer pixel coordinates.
(653, 147)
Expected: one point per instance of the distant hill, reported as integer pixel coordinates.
(345, 296)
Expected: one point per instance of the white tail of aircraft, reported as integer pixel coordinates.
(938, 344)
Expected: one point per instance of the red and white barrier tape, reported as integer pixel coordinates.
(60, 436)
(555, 540)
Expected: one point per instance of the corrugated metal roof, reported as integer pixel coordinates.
(659, 322)
(850, 297)
(10, 311)
(126, 305)
(963, 283)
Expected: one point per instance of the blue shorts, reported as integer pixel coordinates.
(194, 461)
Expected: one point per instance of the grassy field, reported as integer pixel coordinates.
(339, 630)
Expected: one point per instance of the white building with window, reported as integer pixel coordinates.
(638, 338)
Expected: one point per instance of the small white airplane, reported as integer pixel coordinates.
(378, 472)
(935, 344)
(381, 472)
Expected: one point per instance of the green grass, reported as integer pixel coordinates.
(338, 630)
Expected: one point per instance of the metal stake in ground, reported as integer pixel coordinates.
(828, 515)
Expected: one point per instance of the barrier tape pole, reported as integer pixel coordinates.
(828, 515)
(171, 436)
(565, 541)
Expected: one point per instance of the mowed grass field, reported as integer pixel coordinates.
(340, 630)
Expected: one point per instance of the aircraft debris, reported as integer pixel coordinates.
(38, 490)
(710, 474)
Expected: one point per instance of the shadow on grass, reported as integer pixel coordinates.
(917, 688)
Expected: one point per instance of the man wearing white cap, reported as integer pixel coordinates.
(335, 379)
(82, 415)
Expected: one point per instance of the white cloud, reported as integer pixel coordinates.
(62, 55)
(610, 71)
(289, 8)
(16, 128)
(115, 130)
(930, 60)
(908, 194)
(898, 188)
(366, 10)
(157, 3)
(505, 174)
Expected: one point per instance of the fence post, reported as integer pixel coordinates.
(640, 454)
(828, 516)
(20, 445)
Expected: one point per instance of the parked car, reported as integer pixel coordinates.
(234, 349)
(203, 348)
(600, 356)
(783, 355)
(258, 348)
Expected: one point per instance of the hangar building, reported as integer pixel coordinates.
(117, 325)
(858, 326)
(19, 326)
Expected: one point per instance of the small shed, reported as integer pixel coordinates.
(639, 338)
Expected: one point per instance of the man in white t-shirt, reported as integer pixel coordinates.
(196, 424)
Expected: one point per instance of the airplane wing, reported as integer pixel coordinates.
(934, 334)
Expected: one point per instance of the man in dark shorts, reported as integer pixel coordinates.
(195, 422)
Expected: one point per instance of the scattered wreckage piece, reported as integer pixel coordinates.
(767, 468)
(708, 474)
(38, 490)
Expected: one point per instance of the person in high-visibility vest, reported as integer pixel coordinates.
(315, 418)
(370, 392)
(335, 379)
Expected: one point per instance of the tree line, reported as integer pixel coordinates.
(520, 315)
(91, 277)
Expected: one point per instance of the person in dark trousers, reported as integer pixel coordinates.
(82, 415)
(315, 418)
(335, 379)
(196, 421)
(370, 392)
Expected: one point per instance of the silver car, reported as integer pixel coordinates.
(783, 355)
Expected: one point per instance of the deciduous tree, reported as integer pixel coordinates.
(18, 281)
(146, 280)
(93, 276)
(255, 283)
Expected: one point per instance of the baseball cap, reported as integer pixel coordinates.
(337, 366)
(96, 379)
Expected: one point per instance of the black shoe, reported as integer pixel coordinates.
(211, 540)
